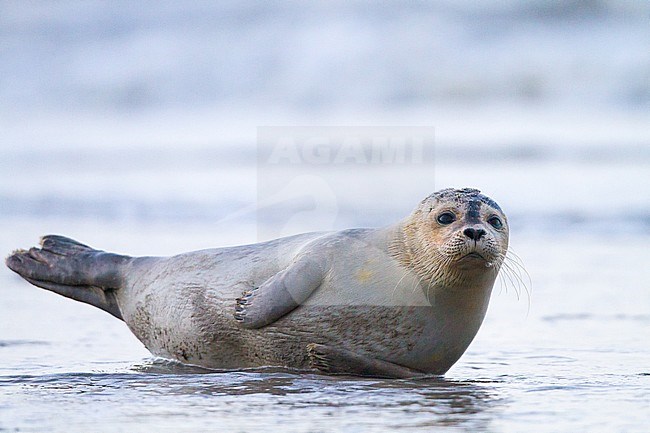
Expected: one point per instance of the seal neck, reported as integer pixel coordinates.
(410, 253)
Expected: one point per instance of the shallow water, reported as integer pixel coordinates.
(243, 401)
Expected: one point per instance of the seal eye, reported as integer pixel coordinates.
(495, 222)
(446, 218)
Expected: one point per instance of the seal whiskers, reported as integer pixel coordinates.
(511, 271)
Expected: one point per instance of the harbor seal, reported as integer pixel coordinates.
(398, 301)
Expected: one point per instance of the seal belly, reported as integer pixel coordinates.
(411, 336)
(353, 328)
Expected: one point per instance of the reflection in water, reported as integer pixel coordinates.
(274, 393)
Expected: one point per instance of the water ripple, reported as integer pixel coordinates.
(11, 343)
(599, 317)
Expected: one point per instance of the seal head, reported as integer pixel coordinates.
(454, 237)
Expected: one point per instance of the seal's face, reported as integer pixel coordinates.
(457, 234)
(468, 227)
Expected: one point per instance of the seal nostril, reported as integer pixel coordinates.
(474, 234)
(470, 233)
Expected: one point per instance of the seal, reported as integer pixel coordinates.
(398, 301)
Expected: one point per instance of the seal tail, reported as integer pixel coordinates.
(73, 270)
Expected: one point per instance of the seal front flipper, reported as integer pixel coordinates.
(72, 269)
(280, 294)
(333, 360)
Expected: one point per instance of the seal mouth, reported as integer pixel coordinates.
(473, 256)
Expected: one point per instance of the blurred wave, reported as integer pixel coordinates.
(547, 188)
(121, 55)
(116, 210)
(147, 111)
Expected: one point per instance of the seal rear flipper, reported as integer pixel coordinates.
(341, 361)
(280, 294)
(72, 269)
(104, 299)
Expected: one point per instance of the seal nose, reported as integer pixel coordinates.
(474, 234)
